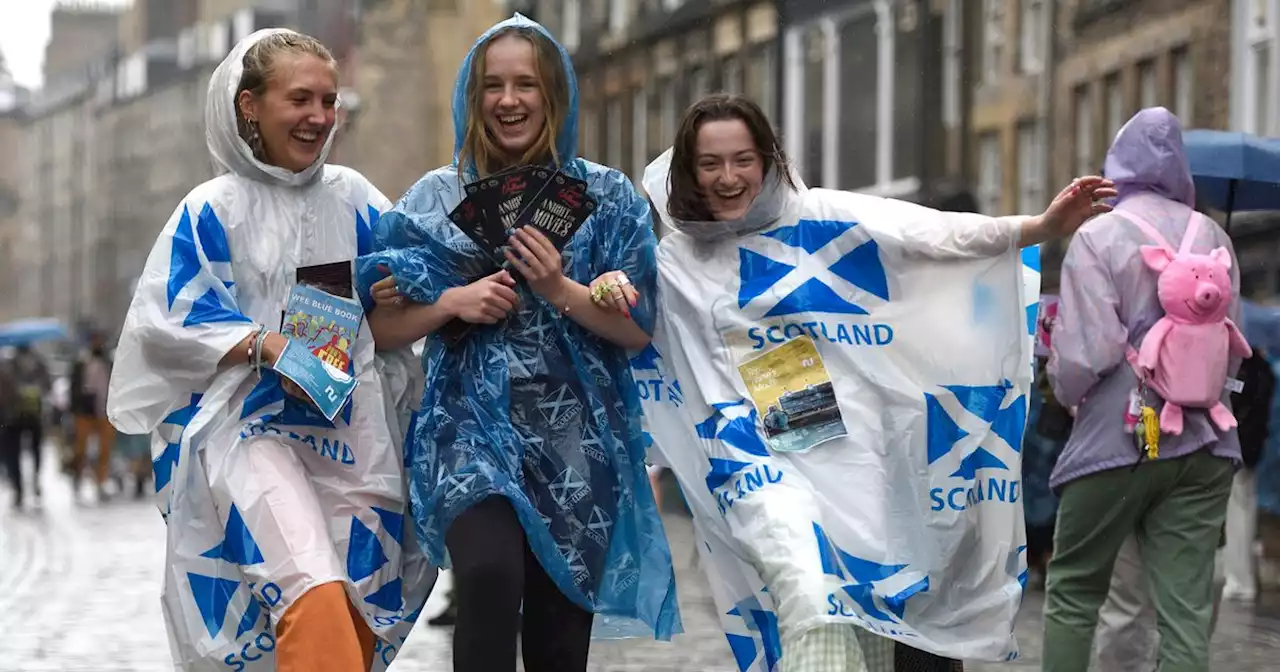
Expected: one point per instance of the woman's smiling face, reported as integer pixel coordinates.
(513, 107)
(297, 111)
(729, 168)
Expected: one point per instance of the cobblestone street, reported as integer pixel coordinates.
(80, 584)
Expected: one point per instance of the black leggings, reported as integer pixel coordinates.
(494, 571)
(11, 451)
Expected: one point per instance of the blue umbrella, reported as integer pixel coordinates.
(1234, 171)
(23, 332)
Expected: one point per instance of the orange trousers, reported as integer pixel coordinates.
(323, 632)
(100, 426)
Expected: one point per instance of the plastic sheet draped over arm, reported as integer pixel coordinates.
(933, 234)
(410, 241)
(1089, 339)
(631, 246)
(183, 319)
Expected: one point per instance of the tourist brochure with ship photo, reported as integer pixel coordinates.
(322, 329)
(792, 393)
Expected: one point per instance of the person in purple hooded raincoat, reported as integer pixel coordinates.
(1175, 505)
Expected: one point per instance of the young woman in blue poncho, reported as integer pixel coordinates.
(527, 459)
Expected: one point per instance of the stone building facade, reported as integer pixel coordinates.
(640, 63)
(1115, 57)
(402, 78)
(12, 191)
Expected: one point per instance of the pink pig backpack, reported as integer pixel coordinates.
(1185, 355)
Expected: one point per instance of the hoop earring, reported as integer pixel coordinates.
(255, 140)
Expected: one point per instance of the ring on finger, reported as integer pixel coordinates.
(601, 290)
(623, 280)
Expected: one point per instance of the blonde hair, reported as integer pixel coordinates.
(259, 63)
(478, 147)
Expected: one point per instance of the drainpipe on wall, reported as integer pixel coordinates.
(1044, 108)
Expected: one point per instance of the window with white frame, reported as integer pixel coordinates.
(613, 132)
(1148, 85)
(838, 139)
(699, 84)
(1085, 162)
(618, 16)
(669, 110)
(1182, 83)
(1031, 161)
(590, 135)
(952, 62)
(639, 133)
(1260, 86)
(571, 31)
(1259, 76)
(1031, 51)
(992, 39)
(656, 142)
(990, 174)
(731, 75)
(760, 78)
(1114, 102)
(815, 93)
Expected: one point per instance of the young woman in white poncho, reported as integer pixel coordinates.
(287, 547)
(808, 541)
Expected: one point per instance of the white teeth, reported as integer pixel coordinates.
(512, 119)
(306, 137)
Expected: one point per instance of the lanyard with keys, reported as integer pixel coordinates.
(1146, 433)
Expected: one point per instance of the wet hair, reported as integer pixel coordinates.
(687, 202)
(259, 62)
(478, 145)
(960, 201)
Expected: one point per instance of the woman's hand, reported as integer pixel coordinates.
(533, 255)
(272, 347)
(1070, 209)
(614, 292)
(385, 292)
(485, 301)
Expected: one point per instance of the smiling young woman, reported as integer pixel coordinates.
(536, 411)
(287, 102)
(263, 528)
(753, 249)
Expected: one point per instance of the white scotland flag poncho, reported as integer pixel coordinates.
(842, 397)
(262, 498)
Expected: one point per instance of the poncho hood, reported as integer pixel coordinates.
(230, 153)
(566, 135)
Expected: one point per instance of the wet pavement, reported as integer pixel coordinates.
(80, 585)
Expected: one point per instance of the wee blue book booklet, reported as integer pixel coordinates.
(322, 330)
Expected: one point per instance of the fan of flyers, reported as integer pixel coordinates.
(495, 206)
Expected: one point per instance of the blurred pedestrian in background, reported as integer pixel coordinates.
(1175, 505)
(23, 427)
(90, 378)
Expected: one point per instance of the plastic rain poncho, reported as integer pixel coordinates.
(1109, 303)
(866, 470)
(537, 409)
(262, 498)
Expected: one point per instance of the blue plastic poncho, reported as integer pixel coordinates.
(537, 409)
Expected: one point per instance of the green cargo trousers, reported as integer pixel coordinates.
(1175, 507)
